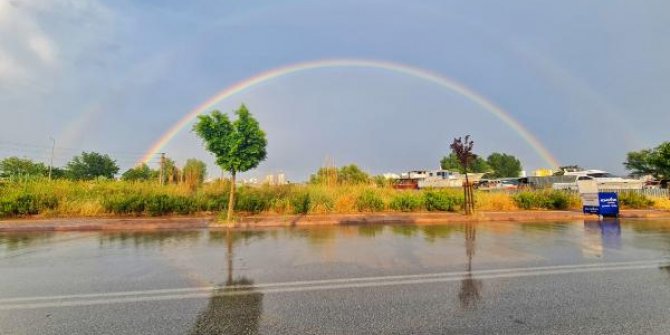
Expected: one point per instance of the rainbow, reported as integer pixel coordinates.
(412, 71)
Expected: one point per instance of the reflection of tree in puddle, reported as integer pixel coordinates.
(148, 238)
(470, 287)
(17, 241)
(235, 308)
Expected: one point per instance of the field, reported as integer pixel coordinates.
(63, 198)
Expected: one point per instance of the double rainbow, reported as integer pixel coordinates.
(412, 71)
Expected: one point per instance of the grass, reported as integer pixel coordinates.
(117, 198)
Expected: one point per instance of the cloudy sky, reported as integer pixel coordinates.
(589, 79)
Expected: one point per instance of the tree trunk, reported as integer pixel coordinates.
(231, 199)
(468, 195)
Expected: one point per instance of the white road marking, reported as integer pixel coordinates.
(315, 285)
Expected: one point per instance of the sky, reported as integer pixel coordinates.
(589, 79)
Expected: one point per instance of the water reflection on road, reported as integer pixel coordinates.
(241, 269)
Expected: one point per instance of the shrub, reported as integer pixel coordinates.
(526, 200)
(406, 202)
(369, 201)
(183, 205)
(124, 204)
(557, 200)
(321, 202)
(441, 201)
(300, 202)
(160, 204)
(548, 199)
(252, 201)
(634, 200)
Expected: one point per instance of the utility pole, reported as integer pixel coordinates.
(162, 174)
(51, 160)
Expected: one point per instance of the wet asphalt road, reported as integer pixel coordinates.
(492, 278)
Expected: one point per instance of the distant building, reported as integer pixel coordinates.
(275, 179)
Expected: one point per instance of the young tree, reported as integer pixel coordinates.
(92, 165)
(141, 172)
(13, 167)
(503, 165)
(194, 172)
(238, 146)
(462, 149)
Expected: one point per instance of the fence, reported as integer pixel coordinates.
(649, 192)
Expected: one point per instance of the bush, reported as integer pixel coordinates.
(369, 201)
(634, 200)
(300, 202)
(252, 201)
(183, 205)
(441, 201)
(321, 202)
(557, 200)
(549, 199)
(160, 204)
(406, 202)
(124, 204)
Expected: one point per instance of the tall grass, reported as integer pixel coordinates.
(112, 198)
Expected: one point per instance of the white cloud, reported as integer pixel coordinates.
(39, 38)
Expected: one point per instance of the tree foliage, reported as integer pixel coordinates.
(92, 165)
(503, 165)
(13, 167)
(141, 172)
(238, 146)
(655, 162)
(452, 163)
(346, 175)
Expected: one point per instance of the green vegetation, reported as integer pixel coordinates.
(546, 199)
(503, 165)
(346, 175)
(654, 162)
(99, 198)
(17, 168)
(634, 200)
(442, 200)
(476, 164)
(407, 201)
(369, 201)
(92, 165)
(141, 172)
(238, 146)
(496, 165)
(194, 173)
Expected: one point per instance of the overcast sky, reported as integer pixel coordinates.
(590, 79)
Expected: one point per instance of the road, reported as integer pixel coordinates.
(488, 278)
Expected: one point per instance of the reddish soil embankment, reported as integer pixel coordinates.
(261, 221)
